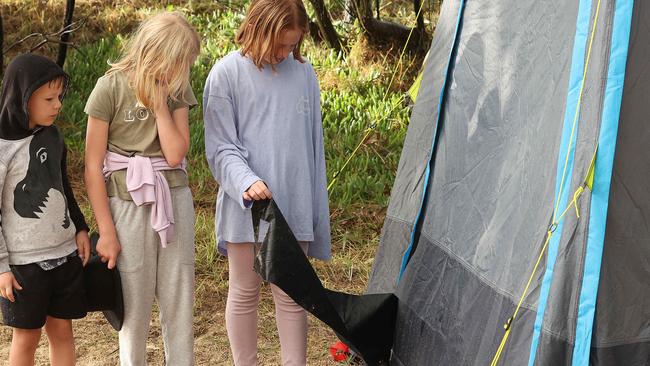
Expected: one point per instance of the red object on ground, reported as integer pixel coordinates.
(339, 351)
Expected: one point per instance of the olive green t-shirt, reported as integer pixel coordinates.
(132, 127)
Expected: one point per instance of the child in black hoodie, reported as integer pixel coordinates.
(43, 235)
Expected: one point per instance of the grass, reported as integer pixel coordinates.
(362, 94)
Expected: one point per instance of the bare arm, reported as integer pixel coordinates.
(108, 246)
(174, 133)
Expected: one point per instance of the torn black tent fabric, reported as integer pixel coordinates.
(363, 322)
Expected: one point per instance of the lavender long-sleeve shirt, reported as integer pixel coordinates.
(266, 125)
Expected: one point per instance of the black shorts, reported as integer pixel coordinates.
(58, 292)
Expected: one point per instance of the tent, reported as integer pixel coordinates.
(518, 229)
(525, 105)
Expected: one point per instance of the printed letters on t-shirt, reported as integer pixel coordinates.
(140, 113)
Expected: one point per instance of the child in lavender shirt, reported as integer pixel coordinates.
(264, 138)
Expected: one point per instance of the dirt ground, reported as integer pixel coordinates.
(96, 341)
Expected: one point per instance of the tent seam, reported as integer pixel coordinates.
(469, 268)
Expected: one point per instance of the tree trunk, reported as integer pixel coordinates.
(419, 13)
(314, 32)
(325, 24)
(2, 45)
(381, 32)
(63, 47)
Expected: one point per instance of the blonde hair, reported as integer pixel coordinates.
(264, 23)
(160, 51)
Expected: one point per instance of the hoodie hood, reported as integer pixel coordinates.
(24, 75)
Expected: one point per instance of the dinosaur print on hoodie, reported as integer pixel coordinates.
(43, 174)
(39, 216)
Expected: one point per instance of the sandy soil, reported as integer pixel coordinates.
(96, 341)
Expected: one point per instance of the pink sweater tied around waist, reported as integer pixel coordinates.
(147, 186)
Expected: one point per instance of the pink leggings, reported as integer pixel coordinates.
(241, 312)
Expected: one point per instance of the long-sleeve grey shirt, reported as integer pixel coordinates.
(266, 125)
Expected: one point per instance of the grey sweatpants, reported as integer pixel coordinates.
(149, 271)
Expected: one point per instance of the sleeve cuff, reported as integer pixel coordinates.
(81, 227)
(78, 220)
(4, 266)
(247, 182)
(100, 116)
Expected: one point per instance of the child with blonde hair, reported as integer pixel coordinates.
(264, 138)
(136, 142)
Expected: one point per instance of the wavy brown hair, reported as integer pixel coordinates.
(264, 23)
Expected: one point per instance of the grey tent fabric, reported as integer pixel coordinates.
(487, 215)
(622, 327)
(406, 197)
(509, 97)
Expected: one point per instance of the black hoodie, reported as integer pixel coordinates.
(40, 216)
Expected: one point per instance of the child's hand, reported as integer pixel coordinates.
(163, 94)
(258, 191)
(108, 248)
(83, 246)
(7, 285)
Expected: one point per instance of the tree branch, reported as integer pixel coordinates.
(325, 25)
(49, 38)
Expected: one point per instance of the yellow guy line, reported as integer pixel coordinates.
(574, 202)
(370, 129)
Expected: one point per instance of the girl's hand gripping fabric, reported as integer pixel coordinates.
(258, 191)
